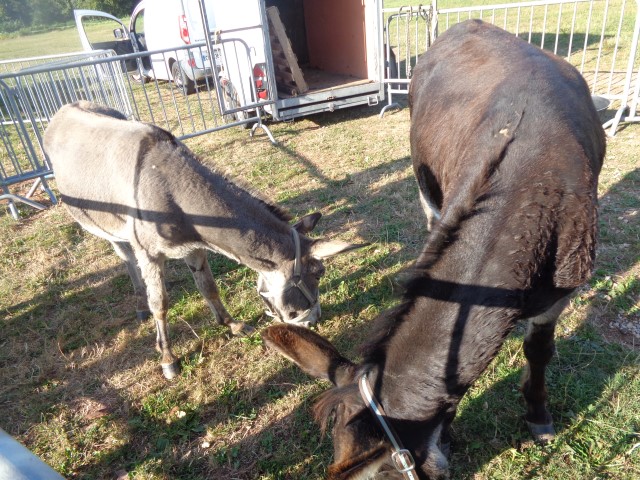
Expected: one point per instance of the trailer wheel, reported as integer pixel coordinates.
(182, 81)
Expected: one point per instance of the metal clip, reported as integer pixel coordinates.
(403, 461)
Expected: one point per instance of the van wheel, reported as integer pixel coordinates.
(182, 81)
(231, 100)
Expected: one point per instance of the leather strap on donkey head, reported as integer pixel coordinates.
(295, 281)
(401, 457)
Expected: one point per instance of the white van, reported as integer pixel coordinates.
(155, 25)
(289, 57)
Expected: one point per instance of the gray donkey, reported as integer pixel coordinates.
(137, 186)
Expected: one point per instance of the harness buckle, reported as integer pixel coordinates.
(403, 461)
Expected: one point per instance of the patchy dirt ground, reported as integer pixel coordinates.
(615, 286)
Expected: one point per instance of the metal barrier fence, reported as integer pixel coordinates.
(599, 37)
(32, 90)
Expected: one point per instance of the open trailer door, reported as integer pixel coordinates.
(293, 58)
(337, 47)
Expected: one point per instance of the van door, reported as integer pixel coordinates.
(156, 25)
(108, 34)
(138, 37)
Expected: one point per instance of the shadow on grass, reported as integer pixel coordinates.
(492, 422)
(354, 201)
(158, 446)
(618, 257)
(292, 448)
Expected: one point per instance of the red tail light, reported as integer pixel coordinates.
(184, 29)
(260, 80)
(258, 71)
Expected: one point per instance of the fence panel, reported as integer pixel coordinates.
(32, 90)
(598, 37)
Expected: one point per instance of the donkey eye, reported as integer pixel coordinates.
(293, 314)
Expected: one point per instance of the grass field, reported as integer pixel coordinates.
(49, 43)
(81, 383)
(82, 387)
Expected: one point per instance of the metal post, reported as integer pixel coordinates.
(629, 75)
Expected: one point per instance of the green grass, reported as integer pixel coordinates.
(556, 21)
(61, 40)
(58, 41)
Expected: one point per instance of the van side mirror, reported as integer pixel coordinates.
(118, 33)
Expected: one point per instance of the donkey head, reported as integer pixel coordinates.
(362, 446)
(291, 291)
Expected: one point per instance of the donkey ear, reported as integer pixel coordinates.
(307, 223)
(311, 352)
(328, 248)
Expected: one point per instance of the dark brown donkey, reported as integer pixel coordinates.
(507, 145)
(137, 186)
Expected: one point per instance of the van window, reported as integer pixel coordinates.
(105, 33)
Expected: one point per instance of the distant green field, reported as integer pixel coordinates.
(66, 40)
(63, 40)
(54, 42)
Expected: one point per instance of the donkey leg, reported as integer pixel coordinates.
(430, 209)
(539, 347)
(152, 270)
(199, 266)
(445, 434)
(125, 252)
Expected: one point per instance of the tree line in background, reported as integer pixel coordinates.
(18, 15)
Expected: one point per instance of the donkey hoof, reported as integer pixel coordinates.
(241, 329)
(170, 370)
(542, 432)
(143, 315)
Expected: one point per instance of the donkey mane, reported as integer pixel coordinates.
(207, 170)
(384, 327)
(443, 235)
(276, 210)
